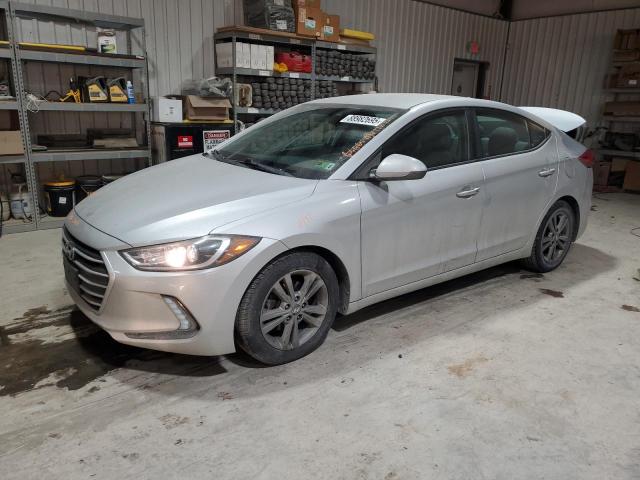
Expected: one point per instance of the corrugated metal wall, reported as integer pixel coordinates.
(562, 62)
(417, 42)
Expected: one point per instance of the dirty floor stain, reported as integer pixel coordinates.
(526, 276)
(30, 361)
(463, 369)
(630, 308)
(552, 293)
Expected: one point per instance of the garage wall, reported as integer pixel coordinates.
(561, 62)
(417, 42)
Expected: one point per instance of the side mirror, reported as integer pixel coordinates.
(399, 167)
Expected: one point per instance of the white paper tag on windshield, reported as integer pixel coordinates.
(363, 120)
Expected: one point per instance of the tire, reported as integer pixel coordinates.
(542, 258)
(267, 309)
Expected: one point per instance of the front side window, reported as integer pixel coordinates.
(437, 141)
(312, 142)
(505, 133)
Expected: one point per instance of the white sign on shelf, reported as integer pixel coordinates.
(264, 73)
(294, 75)
(342, 47)
(255, 36)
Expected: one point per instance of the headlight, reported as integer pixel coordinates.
(205, 252)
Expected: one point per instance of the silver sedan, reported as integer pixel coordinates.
(322, 209)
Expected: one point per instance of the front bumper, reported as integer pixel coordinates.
(134, 301)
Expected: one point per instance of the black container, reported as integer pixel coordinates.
(86, 185)
(59, 197)
(177, 140)
(106, 179)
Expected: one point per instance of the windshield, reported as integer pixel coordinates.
(312, 142)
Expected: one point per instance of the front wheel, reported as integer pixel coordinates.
(553, 240)
(288, 309)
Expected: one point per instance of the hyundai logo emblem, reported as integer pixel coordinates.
(68, 250)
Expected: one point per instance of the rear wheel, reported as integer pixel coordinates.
(288, 309)
(553, 240)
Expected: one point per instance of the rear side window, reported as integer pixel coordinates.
(501, 133)
(537, 134)
(436, 140)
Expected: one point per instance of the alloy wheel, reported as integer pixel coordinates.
(556, 237)
(294, 309)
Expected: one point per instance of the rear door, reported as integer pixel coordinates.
(414, 229)
(520, 164)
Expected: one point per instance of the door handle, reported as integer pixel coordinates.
(468, 193)
(546, 172)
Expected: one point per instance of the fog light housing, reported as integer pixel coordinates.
(187, 328)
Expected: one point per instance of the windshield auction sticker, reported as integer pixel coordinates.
(363, 120)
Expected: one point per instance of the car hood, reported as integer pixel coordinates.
(186, 198)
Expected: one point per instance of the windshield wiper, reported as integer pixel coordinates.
(263, 168)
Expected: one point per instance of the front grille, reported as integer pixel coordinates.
(85, 270)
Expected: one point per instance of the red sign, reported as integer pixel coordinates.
(185, 141)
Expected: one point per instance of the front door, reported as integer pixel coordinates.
(521, 171)
(415, 229)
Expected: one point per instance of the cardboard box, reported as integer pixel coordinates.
(259, 57)
(309, 21)
(269, 57)
(601, 173)
(629, 76)
(246, 55)
(330, 28)
(224, 55)
(622, 108)
(632, 177)
(204, 108)
(619, 164)
(626, 40)
(167, 109)
(11, 142)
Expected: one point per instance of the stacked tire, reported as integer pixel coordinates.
(281, 93)
(334, 63)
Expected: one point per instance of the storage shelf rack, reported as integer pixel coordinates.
(234, 34)
(19, 54)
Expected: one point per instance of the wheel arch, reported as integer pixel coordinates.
(573, 203)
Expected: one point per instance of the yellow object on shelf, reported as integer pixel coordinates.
(347, 32)
(53, 46)
(280, 67)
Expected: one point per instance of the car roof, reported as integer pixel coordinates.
(393, 100)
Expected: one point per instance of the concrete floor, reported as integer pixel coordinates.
(500, 375)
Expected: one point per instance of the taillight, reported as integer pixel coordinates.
(587, 158)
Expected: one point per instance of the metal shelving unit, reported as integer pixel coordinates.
(18, 56)
(83, 59)
(615, 93)
(619, 153)
(234, 34)
(90, 107)
(8, 105)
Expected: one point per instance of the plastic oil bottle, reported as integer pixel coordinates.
(130, 94)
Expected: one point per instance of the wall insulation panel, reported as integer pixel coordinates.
(562, 62)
